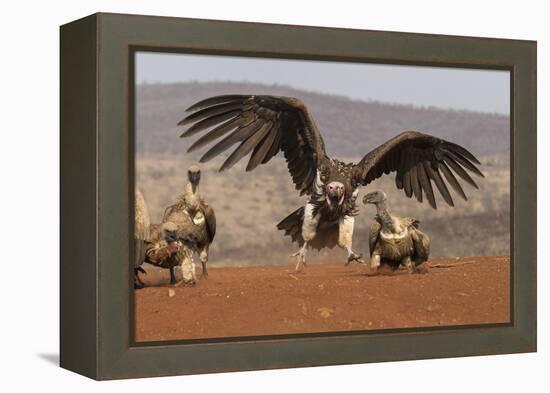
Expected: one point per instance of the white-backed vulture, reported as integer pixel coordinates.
(194, 217)
(265, 125)
(141, 233)
(393, 240)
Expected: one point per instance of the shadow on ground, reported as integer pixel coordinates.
(52, 358)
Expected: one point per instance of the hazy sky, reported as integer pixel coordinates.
(456, 88)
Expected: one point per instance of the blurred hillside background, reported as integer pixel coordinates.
(249, 205)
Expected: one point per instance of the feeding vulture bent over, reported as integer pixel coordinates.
(394, 240)
(264, 125)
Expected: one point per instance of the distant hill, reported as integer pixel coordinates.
(350, 128)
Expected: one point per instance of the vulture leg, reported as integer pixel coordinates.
(374, 263)
(345, 236)
(138, 284)
(407, 262)
(309, 230)
(173, 280)
(301, 255)
(203, 256)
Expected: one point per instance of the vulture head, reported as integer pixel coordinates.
(375, 197)
(169, 231)
(194, 176)
(335, 193)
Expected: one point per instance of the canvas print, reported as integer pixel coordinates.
(276, 197)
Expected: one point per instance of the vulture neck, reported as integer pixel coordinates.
(385, 216)
(192, 195)
(192, 189)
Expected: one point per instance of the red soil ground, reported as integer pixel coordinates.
(267, 300)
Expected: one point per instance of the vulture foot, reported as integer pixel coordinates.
(353, 257)
(408, 264)
(138, 284)
(373, 265)
(301, 256)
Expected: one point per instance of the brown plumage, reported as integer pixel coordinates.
(395, 240)
(169, 250)
(141, 232)
(263, 125)
(194, 217)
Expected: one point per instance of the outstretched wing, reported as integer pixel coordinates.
(419, 160)
(263, 125)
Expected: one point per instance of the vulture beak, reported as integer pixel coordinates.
(335, 193)
(369, 198)
(194, 176)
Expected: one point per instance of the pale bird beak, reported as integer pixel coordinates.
(369, 198)
(341, 195)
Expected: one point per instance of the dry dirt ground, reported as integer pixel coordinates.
(268, 300)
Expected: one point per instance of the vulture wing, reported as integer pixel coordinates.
(262, 126)
(421, 244)
(141, 228)
(375, 228)
(419, 160)
(210, 221)
(411, 222)
(142, 223)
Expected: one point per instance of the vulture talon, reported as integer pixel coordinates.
(354, 258)
(301, 256)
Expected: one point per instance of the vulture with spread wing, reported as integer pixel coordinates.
(264, 125)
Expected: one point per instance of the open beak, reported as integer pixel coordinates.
(336, 195)
(341, 195)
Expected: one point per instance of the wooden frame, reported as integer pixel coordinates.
(97, 195)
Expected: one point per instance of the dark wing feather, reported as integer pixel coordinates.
(261, 126)
(419, 160)
(210, 221)
(375, 228)
(261, 150)
(421, 245)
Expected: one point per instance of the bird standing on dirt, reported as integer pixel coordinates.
(168, 250)
(141, 234)
(194, 217)
(264, 125)
(393, 240)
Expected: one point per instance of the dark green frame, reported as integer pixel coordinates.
(97, 183)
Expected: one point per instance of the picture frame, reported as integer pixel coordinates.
(97, 182)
